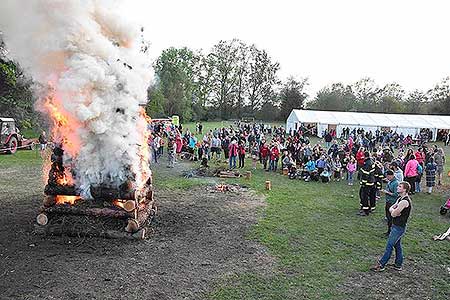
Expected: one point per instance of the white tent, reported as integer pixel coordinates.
(401, 123)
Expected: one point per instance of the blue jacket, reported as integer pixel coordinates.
(392, 187)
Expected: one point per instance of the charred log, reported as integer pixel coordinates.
(94, 212)
(55, 189)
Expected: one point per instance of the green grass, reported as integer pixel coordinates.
(312, 229)
(21, 158)
(319, 242)
(314, 235)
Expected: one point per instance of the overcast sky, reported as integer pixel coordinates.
(325, 40)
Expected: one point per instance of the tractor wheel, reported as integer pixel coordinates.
(12, 145)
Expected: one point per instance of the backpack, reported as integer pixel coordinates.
(419, 169)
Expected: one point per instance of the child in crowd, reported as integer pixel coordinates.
(274, 156)
(325, 175)
(351, 169)
(337, 169)
(430, 172)
(241, 152)
(419, 178)
(255, 154)
(310, 168)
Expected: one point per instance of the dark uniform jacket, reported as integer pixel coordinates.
(367, 173)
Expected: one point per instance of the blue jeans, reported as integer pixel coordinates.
(394, 241)
(232, 162)
(273, 164)
(350, 177)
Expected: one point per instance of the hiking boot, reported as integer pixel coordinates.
(397, 268)
(378, 268)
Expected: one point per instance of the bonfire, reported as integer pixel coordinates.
(93, 76)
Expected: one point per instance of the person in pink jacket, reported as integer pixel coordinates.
(351, 169)
(411, 172)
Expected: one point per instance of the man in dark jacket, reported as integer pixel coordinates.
(391, 196)
(367, 191)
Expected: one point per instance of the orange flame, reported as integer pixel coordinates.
(118, 203)
(65, 126)
(66, 179)
(144, 150)
(63, 131)
(67, 199)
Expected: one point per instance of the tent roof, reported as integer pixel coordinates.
(372, 119)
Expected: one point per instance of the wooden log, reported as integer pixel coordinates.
(147, 212)
(132, 226)
(148, 197)
(57, 230)
(228, 176)
(143, 213)
(42, 219)
(110, 193)
(49, 200)
(268, 185)
(129, 205)
(66, 190)
(94, 212)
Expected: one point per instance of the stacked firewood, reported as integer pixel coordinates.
(131, 208)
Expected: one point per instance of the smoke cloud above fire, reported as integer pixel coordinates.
(88, 56)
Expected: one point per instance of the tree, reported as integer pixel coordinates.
(262, 78)
(175, 71)
(223, 60)
(203, 87)
(336, 97)
(366, 92)
(390, 98)
(292, 96)
(242, 70)
(16, 97)
(156, 102)
(440, 97)
(415, 103)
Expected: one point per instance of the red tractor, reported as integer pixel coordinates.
(10, 138)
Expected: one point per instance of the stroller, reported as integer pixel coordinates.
(445, 208)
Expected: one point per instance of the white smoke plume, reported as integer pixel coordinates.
(90, 56)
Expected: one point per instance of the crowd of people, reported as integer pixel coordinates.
(384, 162)
(348, 157)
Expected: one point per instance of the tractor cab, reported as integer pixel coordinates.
(9, 135)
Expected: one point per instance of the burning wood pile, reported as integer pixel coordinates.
(114, 212)
(92, 71)
(224, 188)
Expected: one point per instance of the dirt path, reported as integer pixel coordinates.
(198, 238)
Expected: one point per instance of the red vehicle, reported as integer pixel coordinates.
(10, 137)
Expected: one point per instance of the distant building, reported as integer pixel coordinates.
(338, 120)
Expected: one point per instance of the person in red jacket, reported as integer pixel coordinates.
(360, 157)
(420, 156)
(274, 156)
(233, 152)
(264, 151)
(241, 153)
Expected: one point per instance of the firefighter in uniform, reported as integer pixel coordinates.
(367, 191)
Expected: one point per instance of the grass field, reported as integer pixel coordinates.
(321, 248)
